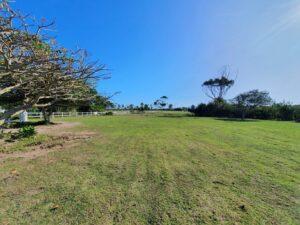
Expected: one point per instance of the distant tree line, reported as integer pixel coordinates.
(159, 104)
(254, 104)
(276, 111)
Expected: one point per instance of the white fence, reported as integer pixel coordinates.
(32, 115)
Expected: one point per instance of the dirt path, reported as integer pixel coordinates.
(59, 140)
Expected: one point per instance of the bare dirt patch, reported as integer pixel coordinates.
(59, 140)
(57, 128)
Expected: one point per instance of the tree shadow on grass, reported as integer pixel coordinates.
(236, 120)
(176, 116)
(29, 123)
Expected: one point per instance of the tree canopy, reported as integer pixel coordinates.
(161, 102)
(217, 88)
(35, 70)
(252, 99)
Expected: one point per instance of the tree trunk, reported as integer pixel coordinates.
(46, 116)
(243, 114)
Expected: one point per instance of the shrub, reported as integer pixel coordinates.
(110, 113)
(280, 111)
(297, 114)
(286, 111)
(15, 117)
(263, 112)
(2, 134)
(27, 131)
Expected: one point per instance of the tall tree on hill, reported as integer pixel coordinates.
(217, 88)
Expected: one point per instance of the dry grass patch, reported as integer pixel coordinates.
(55, 137)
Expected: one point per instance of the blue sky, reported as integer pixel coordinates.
(169, 47)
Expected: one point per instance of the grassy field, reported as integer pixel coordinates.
(160, 169)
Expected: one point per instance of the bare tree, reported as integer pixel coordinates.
(218, 87)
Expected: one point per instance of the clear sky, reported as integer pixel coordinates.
(169, 47)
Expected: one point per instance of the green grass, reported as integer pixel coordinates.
(161, 169)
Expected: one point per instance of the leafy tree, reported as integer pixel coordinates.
(146, 107)
(192, 109)
(142, 106)
(297, 114)
(251, 100)
(161, 102)
(285, 111)
(130, 107)
(96, 104)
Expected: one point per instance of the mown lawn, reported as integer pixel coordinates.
(160, 169)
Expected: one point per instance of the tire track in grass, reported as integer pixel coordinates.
(154, 189)
(122, 171)
(167, 205)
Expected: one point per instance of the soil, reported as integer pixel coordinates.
(60, 140)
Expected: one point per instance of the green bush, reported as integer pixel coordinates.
(2, 135)
(15, 117)
(109, 113)
(297, 114)
(27, 131)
